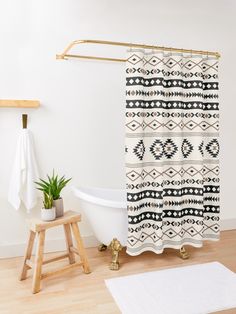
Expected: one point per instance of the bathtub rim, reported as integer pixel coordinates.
(80, 193)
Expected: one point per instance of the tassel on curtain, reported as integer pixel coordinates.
(172, 148)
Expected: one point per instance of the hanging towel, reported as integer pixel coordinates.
(24, 173)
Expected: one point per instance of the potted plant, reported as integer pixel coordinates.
(48, 212)
(54, 185)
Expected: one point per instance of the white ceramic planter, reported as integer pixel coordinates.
(48, 214)
(58, 204)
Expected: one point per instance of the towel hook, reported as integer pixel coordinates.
(24, 121)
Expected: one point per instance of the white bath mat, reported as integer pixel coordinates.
(197, 289)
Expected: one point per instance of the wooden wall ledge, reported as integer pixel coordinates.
(19, 103)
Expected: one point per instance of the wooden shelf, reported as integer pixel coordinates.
(8, 103)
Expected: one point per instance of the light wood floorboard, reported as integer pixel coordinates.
(75, 292)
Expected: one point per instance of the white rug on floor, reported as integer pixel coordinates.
(197, 289)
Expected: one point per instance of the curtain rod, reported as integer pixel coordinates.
(65, 55)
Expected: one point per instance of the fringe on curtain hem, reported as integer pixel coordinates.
(148, 248)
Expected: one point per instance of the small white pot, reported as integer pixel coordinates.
(48, 214)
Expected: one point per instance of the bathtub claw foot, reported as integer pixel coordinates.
(102, 247)
(114, 266)
(183, 253)
(115, 247)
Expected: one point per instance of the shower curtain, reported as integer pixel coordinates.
(172, 148)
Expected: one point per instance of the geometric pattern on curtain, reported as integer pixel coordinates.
(172, 150)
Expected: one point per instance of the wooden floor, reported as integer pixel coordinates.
(75, 292)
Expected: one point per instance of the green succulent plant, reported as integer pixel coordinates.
(48, 201)
(53, 185)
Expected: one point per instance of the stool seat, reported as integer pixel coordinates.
(38, 227)
(36, 224)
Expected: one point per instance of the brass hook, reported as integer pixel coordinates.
(24, 121)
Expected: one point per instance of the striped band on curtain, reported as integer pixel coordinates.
(172, 150)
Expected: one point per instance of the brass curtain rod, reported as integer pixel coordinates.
(65, 55)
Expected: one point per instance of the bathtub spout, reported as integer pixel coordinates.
(115, 247)
(183, 253)
(102, 247)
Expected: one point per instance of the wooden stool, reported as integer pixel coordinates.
(37, 226)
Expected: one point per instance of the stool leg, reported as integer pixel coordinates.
(28, 254)
(38, 262)
(80, 247)
(69, 243)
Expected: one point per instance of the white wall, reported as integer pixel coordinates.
(79, 129)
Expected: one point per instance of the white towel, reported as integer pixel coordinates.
(24, 173)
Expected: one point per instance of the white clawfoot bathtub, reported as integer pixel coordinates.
(106, 211)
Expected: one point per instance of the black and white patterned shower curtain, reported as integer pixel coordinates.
(172, 148)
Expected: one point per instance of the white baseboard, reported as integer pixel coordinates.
(51, 245)
(228, 224)
(55, 245)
